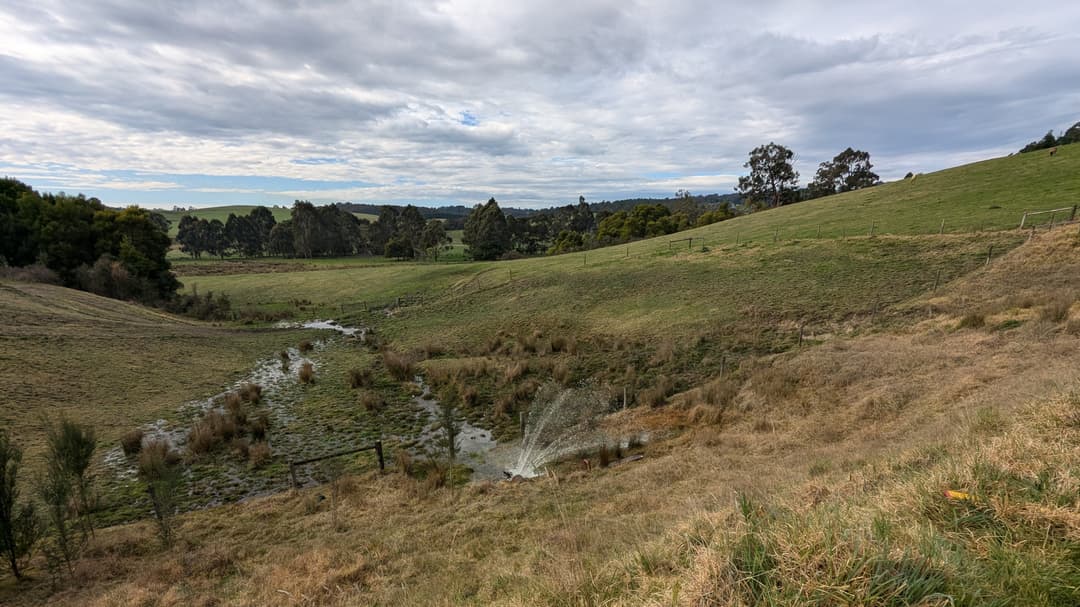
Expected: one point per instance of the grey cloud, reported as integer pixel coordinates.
(589, 96)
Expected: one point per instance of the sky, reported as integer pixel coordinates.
(201, 103)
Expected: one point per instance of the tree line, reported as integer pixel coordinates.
(314, 231)
(1071, 135)
(492, 234)
(81, 243)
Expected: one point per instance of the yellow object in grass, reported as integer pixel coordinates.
(959, 495)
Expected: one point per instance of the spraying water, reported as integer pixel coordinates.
(560, 421)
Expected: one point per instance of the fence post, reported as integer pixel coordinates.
(1072, 215)
(1023, 220)
(937, 279)
(941, 230)
(873, 224)
(292, 475)
(378, 453)
(989, 252)
(1052, 216)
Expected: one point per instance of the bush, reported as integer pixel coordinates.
(32, 273)
(469, 396)
(307, 373)
(371, 401)
(131, 442)
(360, 378)
(259, 454)
(251, 393)
(399, 366)
(158, 469)
(260, 425)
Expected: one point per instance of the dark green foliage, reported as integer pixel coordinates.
(644, 221)
(1071, 135)
(20, 527)
(56, 491)
(109, 252)
(71, 449)
(281, 240)
(325, 231)
(848, 170)
(772, 181)
(197, 236)
(433, 238)
(486, 232)
(399, 247)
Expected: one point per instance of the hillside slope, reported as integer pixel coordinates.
(109, 363)
(822, 484)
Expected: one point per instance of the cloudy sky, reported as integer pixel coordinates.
(222, 102)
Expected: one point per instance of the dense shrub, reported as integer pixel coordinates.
(131, 442)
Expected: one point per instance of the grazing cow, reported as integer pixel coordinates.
(1053, 151)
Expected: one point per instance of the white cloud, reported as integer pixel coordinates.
(580, 98)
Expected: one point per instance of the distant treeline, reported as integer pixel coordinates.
(493, 234)
(81, 243)
(1071, 135)
(454, 216)
(315, 231)
(410, 232)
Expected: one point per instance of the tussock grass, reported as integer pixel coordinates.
(399, 365)
(360, 378)
(306, 373)
(132, 440)
(259, 454)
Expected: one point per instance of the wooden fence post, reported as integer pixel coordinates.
(379, 454)
(873, 224)
(989, 252)
(941, 230)
(936, 280)
(292, 475)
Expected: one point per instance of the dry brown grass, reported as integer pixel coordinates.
(360, 378)
(666, 529)
(259, 454)
(131, 442)
(251, 393)
(370, 400)
(307, 373)
(399, 365)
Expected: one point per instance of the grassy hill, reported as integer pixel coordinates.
(108, 363)
(806, 402)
